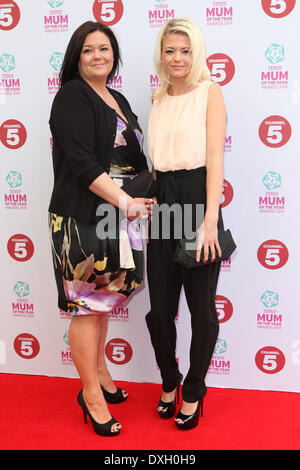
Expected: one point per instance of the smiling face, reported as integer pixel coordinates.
(96, 58)
(176, 56)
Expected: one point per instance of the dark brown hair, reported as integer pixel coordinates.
(70, 64)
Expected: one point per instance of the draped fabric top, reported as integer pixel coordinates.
(177, 130)
(127, 148)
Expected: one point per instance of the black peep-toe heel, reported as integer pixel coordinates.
(101, 429)
(169, 408)
(190, 421)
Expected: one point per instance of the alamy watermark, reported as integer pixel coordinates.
(181, 219)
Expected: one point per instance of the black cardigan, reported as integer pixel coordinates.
(83, 128)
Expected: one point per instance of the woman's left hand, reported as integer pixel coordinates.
(207, 237)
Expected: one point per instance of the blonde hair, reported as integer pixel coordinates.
(199, 70)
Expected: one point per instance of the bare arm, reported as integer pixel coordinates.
(107, 189)
(215, 138)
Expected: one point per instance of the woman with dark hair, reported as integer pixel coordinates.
(97, 146)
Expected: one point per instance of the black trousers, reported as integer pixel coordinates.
(166, 278)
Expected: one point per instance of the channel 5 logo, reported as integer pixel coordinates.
(118, 351)
(272, 254)
(108, 12)
(278, 8)
(270, 360)
(9, 14)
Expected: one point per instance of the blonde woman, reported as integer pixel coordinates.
(186, 134)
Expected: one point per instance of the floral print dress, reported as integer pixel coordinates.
(95, 275)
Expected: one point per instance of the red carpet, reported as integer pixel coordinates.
(42, 413)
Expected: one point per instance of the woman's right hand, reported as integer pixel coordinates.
(139, 207)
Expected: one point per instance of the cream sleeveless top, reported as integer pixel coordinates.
(177, 130)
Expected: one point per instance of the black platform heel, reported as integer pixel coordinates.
(169, 408)
(190, 421)
(101, 429)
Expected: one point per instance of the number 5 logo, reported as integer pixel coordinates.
(275, 131)
(224, 308)
(278, 8)
(13, 134)
(108, 12)
(20, 247)
(26, 346)
(118, 351)
(270, 360)
(221, 67)
(272, 254)
(9, 14)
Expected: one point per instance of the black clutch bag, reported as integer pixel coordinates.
(142, 185)
(186, 256)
